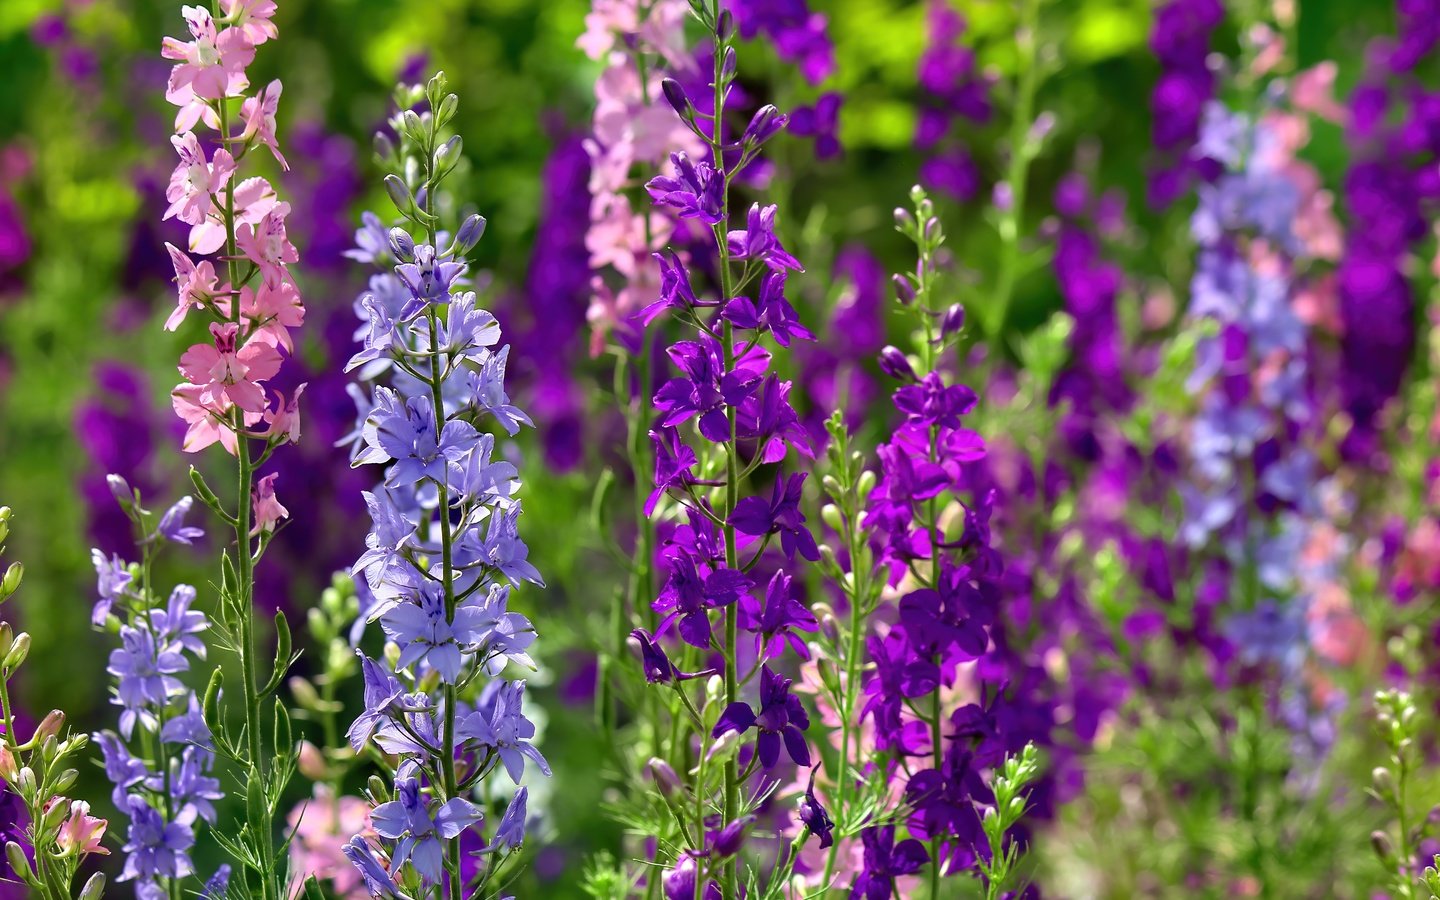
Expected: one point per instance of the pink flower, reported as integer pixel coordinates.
(195, 182)
(266, 245)
(272, 312)
(267, 509)
(254, 198)
(252, 19)
(81, 832)
(322, 827)
(230, 374)
(259, 115)
(283, 421)
(196, 285)
(205, 422)
(212, 66)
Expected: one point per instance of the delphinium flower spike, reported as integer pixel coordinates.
(444, 552)
(720, 419)
(931, 534)
(60, 832)
(160, 757)
(235, 273)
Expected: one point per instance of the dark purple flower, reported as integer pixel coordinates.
(781, 515)
(885, 861)
(781, 716)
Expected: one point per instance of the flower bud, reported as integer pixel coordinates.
(384, 147)
(11, 582)
(399, 193)
(665, 778)
(904, 220)
(830, 515)
(675, 95)
(9, 768)
(49, 726)
(766, 122)
(1041, 128)
(723, 747)
(1002, 196)
(7, 638)
(1380, 843)
(19, 864)
(18, 652)
(312, 762)
(727, 70)
(1384, 781)
(56, 811)
(954, 321)
(725, 25)
(120, 490)
(866, 483)
(471, 230)
(402, 245)
(95, 887)
(896, 365)
(447, 109)
(904, 289)
(66, 780)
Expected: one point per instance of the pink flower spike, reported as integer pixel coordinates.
(252, 18)
(196, 285)
(259, 115)
(283, 421)
(228, 374)
(272, 312)
(267, 509)
(195, 182)
(211, 66)
(82, 832)
(266, 245)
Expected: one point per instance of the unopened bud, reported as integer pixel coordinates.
(11, 582)
(94, 888)
(866, 483)
(894, 363)
(49, 726)
(665, 778)
(954, 320)
(1380, 843)
(9, 768)
(1384, 781)
(56, 810)
(676, 97)
(19, 864)
(471, 230)
(764, 125)
(402, 244)
(120, 490)
(830, 515)
(399, 193)
(725, 25)
(19, 650)
(312, 762)
(904, 289)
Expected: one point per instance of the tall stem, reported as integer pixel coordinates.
(732, 448)
(244, 562)
(437, 400)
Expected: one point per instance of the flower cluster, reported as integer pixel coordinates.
(46, 834)
(723, 416)
(444, 550)
(632, 130)
(954, 92)
(161, 757)
(1180, 39)
(224, 395)
(798, 34)
(935, 711)
(1388, 194)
